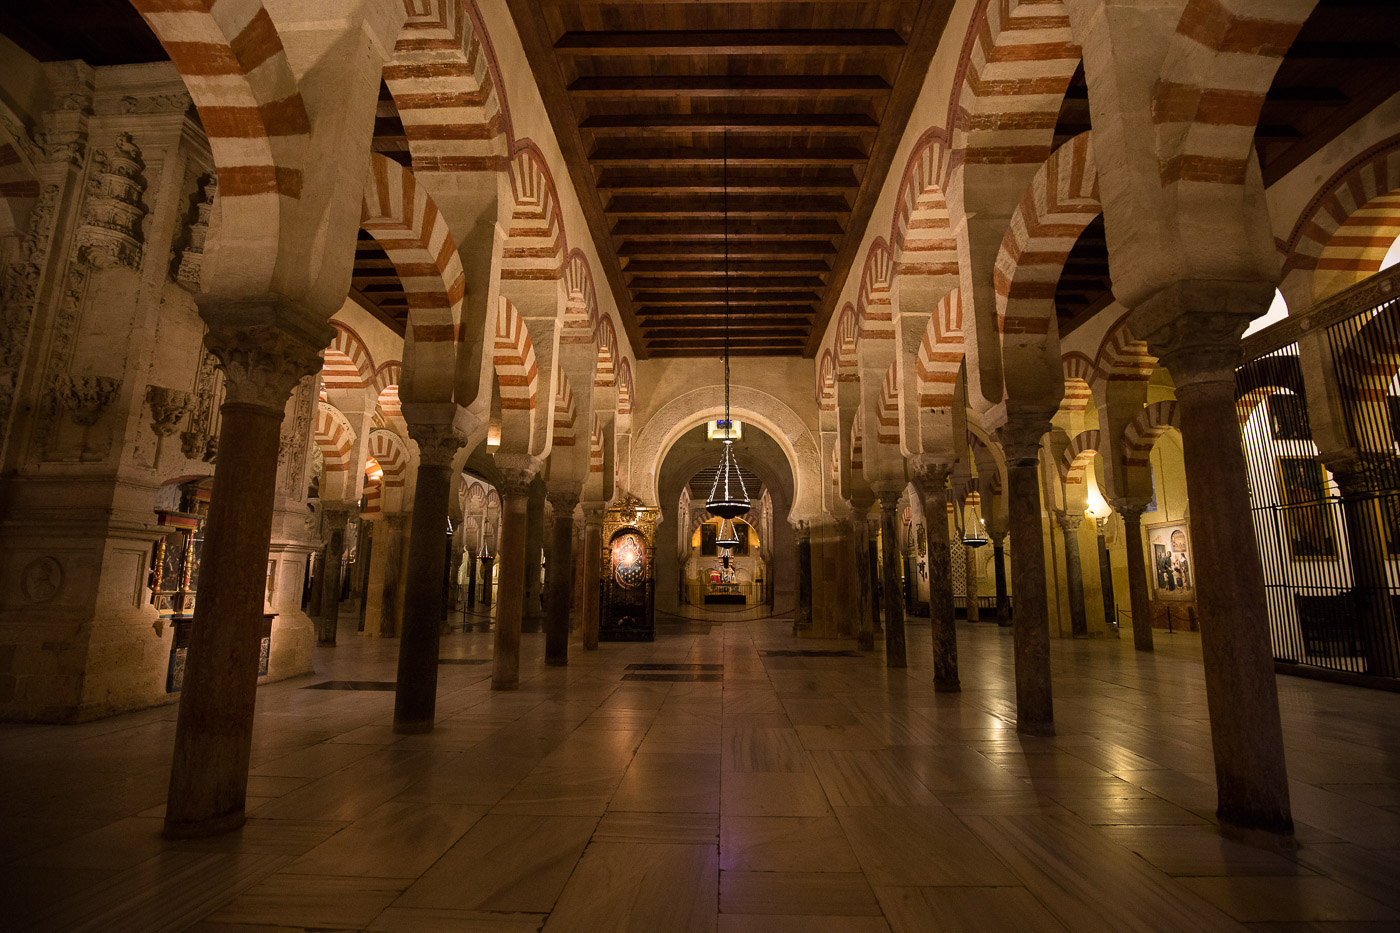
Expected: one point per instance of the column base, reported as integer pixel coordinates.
(1279, 840)
(1040, 729)
(505, 686)
(947, 687)
(198, 829)
(556, 662)
(866, 644)
(416, 727)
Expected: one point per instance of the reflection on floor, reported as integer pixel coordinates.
(796, 794)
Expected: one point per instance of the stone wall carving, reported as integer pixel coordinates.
(84, 398)
(110, 231)
(190, 259)
(19, 295)
(168, 408)
(200, 440)
(296, 436)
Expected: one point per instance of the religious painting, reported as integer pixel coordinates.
(1288, 417)
(1307, 514)
(1172, 571)
(629, 560)
(741, 531)
(708, 548)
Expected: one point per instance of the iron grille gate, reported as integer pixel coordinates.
(1329, 543)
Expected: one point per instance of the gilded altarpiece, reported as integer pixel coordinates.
(629, 577)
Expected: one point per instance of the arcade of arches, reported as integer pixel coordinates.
(361, 397)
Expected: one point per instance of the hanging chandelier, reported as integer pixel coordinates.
(969, 520)
(729, 498)
(728, 536)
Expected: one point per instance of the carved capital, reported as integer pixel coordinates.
(1130, 509)
(593, 514)
(396, 522)
(564, 497)
(1199, 346)
(437, 443)
(168, 408)
(1020, 439)
(1069, 521)
(930, 474)
(83, 397)
(262, 363)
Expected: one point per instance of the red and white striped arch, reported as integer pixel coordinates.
(565, 413)
(848, 344)
(605, 336)
(391, 452)
(406, 224)
(19, 187)
(887, 411)
(595, 446)
(1122, 358)
(857, 445)
(1079, 381)
(941, 352)
(535, 245)
(335, 438)
(580, 317)
(514, 360)
(1061, 201)
(874, 305)
(447, 89)
(1346, 229)
(624, 387)
(231, 58)
(921, 236)
(1142, 433)
(826, 382)
(1017, 59)
(1076, 457)
(1219, 67)
(348, 364)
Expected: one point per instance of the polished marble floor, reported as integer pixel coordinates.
(794, 792)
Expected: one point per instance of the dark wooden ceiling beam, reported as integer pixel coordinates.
(743, 181)
(709, 266)
(737, 308)
(738, 229)
(697, 352)
(628, 124)
(729, 42)
(705, 298)
(714, 206)
(696, 155)
(690, 249)
(687, 325)
(735, 282)
(668, 87)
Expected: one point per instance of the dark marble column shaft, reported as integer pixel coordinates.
(561, 575)
(1069, 523)
(592, 574)
(895, 655)
(803, 618)
(415, 699)
(510, 596)
(1138, 593)
(1035, 713)
(334, 517)
(933, 481)
(999, 569)
(865, 624)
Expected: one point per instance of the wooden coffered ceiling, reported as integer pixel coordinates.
(813, 97)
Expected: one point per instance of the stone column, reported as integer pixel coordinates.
(848, 601)
(1035, 714)
(1069, 523)
(999, 569)
(214, 729)
(974, 609)
(381, 596)
(1366, 551)
(318, 584)
(893, 598)
(415, 700)
(592, 572)
(1201, 350)
(933, 483)
(872, 560)
(1110, 607)
(488, 564)
(1138, 593)
(472, 570)
(860, 540)
(564, 498)
(533, 581)
(803, 618)
(334, 517)
(510, 599)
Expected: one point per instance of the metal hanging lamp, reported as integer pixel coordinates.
(969, 520)
(728, 536)
(729, 498)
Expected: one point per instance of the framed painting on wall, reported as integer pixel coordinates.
(1172, 570)
(1307, 513)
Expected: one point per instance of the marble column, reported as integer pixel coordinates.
(1069, 523)
(510, 597)
(860, 541)
(381, 597)
(488, 564)
(533, 599)
(1201, 350)
(214, 728)
(974, 608)
(893, 598)
(1035, 713)
(933, 483)
(334, 517)
(1110, 607)
(803, 618)
(1138, 592)
(564, 498)
(318, 584)
(1366, 551)
(848, 597)
(472, 571)
(999, 569)
(872, 560)
(415, 699)
(592, 573)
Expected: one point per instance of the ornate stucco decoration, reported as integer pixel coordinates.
(191, 259)
(110, 232)
(168, 408)
(83, 397)
(200, 441)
